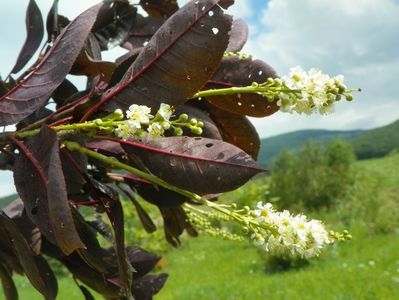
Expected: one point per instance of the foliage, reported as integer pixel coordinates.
(272, 146)
(370, 143)
(377, 142)
(373, 201)
(313, 178)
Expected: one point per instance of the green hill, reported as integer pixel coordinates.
(6, 200)
(367, 143)
(377, 142)
(271, 147)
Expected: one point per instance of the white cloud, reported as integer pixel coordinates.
(357, 38)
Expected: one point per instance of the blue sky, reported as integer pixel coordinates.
(356, 38)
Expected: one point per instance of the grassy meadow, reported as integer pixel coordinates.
(367, 267)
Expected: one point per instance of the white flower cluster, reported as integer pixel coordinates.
(139, 116)
(284, 234)
(312, 91)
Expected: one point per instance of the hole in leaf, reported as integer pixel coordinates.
(239, 103)
(260, 72)
(34, 210)
(211, 13)
(208, 145)
(215, 30)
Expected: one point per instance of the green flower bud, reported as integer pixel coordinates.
(183, 117)
(200, 124)
(193, 121)
(349, 97)
(196, 130)
(177, 131)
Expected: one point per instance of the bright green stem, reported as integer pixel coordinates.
(112, 162)
(260, 89)
(76, 126)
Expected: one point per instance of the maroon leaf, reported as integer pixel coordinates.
(9, 289)
(35, 32)
(238, 35)
(35, 90)
(234, 71)
(63, 92)
(159, 8)
(35, 267)
(237, 130)
(44, 194)
(176, 62)
(213, 166)
(117, 222)
(175, 222)
(146, 287)
(142, 261)
(144, 28)
(86, 293)
(55, 22)
(114, 22)
(145, 219)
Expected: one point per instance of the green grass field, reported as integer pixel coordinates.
(366, 267)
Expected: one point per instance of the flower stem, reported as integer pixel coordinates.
(260, 89)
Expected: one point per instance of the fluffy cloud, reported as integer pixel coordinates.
(357, 38)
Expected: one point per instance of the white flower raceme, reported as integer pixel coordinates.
(284, 234)
(310, 92)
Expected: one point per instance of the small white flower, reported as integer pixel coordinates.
(139, 113)
(155, 130)
(166, 111)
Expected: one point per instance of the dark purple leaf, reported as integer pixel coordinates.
(159, 8)
(114, 22)
(123, 64)
(143, 30)
(141, 260)
(36, 89)
(237, 130)
(91, 277)
(145, 219)
(176, 62)
(234, 71)
(55, 22)
(41, 113)
(35, 32)
(73, 164)
(30, 231)
(175, 222)
(106, 147)
(35, 267)
(3, 87)
(238, 35)
(9, 289)
(160, 196)
(213, 166)
(40, 182)
(124, 269)
(86, 293)
(146, 287)
(63, 92)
